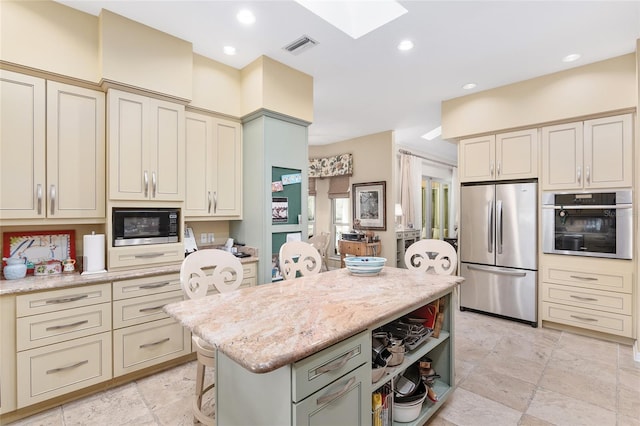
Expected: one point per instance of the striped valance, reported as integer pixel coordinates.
(337, 165)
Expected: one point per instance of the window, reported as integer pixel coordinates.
(340, 220)
(311, 218)
(435, 208)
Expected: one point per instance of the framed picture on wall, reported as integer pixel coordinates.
(369, 205)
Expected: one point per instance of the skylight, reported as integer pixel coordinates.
(355, 18)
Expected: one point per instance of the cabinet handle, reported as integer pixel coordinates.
(158, 285)
(588, 176)
(491, 170)
(153, 184)
(215, 201)
(52, 195)
(77, 364)
(499, 168)
(146, 184)
(155, 308)
(337, 364)
(67, 299)
(209, 200)
(148, 255)
(324, 399)
(59, 327)
(583, 318)
(146, 345)
(577, 277)
(39, 195)
(579, 175)
(586, 299)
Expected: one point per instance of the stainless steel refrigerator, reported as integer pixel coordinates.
(498, 249)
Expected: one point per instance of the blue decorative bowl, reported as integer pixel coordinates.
(364, 265)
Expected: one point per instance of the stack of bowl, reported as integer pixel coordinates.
(364, 265)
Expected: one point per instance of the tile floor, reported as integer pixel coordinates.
(507, 373)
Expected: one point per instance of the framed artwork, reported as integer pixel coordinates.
(276, 186)
(369, 205)
(279, 210)
(39, 247)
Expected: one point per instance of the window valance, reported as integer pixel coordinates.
(337, 165)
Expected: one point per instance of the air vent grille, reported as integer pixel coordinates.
(300, 45)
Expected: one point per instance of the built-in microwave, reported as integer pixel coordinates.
(596, 224)
(140, 226)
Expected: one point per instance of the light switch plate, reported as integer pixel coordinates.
(203, 238)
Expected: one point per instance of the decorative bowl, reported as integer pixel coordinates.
(364, 265)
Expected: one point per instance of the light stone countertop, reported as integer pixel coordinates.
(269, 326)
(51, 282)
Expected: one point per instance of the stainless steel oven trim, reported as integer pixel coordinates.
(624, 225)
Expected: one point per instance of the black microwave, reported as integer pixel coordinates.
(137, 226)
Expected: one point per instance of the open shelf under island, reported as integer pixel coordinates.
(298, 352)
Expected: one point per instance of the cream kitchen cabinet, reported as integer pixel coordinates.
(146, 148)
(588, 155)
(213, 167)
(592, 294)
(55, 170)
(503, 156)
(143, 335)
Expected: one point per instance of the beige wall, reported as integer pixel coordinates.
(274, 86)
(591, 89)
(216, 87)
(48, 36)
(144, 57)
(373, 161)
(637, 202)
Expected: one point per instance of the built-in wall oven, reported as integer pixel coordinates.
(588, 223)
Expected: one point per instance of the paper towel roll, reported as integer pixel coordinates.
(93, 259)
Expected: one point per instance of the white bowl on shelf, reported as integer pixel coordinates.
(364, 265)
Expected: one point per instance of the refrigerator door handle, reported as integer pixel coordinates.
(499, 225)
(497, 271)
(490, 227)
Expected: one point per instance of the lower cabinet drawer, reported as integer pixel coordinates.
(54, 370)
(66, 298)
(55, 327)
(347, 401)
(138, 310)
(617, 324)
(318, 370)
(137, 287)
(607, 301)
(144, 345)
(145, 256)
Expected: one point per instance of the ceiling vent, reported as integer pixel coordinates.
(300, 45)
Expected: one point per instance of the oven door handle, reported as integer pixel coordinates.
(598, 207)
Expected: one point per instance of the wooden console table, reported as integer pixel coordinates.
(358, 248)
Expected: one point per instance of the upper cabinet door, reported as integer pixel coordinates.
(22, 146)
(608, 155)
(562, 147)
(477, 159)
(228, 170)
(198, 200)
(517, 155)
(75, 152)
(146, 148)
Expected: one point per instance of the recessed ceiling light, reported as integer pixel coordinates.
(432, 134)
(230, 50)
(405, 45)
(571, 58)
(245, 16)
(469, 86)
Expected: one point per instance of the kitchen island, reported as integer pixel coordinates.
(299, 350)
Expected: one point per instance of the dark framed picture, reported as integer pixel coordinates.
(369, 205)
(279, 210)
(39, 247)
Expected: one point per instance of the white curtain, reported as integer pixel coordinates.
(454, 219)
(410, 181)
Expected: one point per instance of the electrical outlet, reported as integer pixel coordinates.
(211, 237)
(203, 238)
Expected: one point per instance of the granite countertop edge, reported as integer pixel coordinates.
(32, 284)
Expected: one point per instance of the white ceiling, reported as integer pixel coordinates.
(365, 85)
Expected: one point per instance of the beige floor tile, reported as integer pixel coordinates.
(519, 368)
(628, 421)
(593, 388)
(563, 410)
(470, 352)
(439, 421)
(467, 408)
(629, 401)
(588, 348)
(527, 420)
(119, 406)
(165, 388)
(625, 358)
(463, 368)
(536, 350)
(498, 387)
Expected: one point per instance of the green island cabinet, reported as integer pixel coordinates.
(273, 146)
(330, 387)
